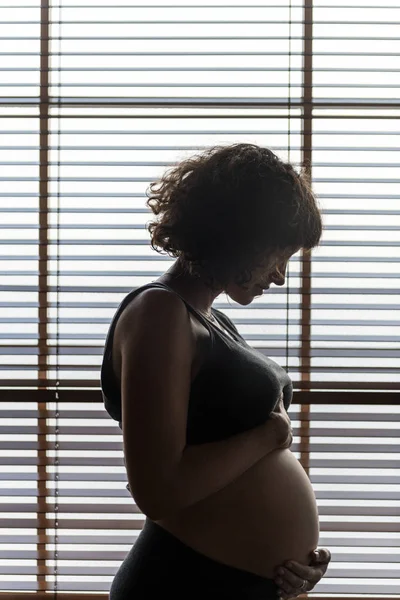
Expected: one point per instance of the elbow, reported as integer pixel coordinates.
(154, 516)
(151, 512)
(154, 504)
(154, 511)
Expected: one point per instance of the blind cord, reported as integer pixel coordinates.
(289, 120)
(56, 507)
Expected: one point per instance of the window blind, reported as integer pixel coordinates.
(96, 101)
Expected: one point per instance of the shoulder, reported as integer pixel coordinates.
(147, 312)
(153, 301)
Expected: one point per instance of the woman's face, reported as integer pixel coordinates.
(272, 270)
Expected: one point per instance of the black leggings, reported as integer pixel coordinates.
(159, 565)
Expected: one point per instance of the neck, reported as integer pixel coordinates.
(192, 288)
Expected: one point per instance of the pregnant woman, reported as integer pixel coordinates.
(206, 433)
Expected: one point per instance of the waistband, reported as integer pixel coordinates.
(193, 561)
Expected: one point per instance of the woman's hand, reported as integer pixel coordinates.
(279, 421)
(295, 574)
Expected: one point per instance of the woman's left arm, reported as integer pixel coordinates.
(295, 574)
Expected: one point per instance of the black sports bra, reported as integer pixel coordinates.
(236, 388)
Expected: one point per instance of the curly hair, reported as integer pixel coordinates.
(224, 210)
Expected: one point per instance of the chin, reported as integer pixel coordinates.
(248, 300)
(244, 298)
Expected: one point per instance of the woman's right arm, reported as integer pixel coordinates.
(164, 474)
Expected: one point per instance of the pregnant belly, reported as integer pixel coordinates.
(263, 518)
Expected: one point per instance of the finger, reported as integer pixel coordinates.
(321, 556)
(302, 571)
(283, 586)
(325, 555)
(289, 579)
(293, 592)
(290, 591)
(284, 596)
